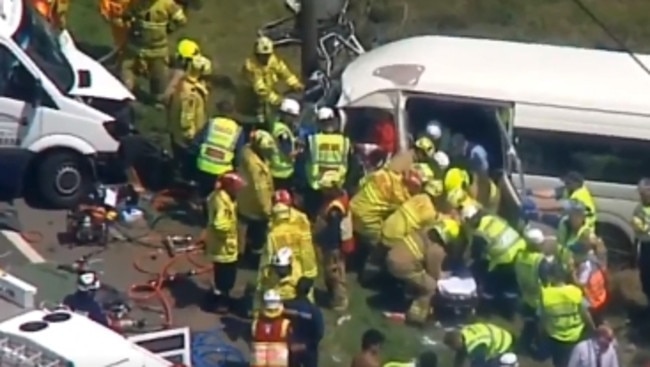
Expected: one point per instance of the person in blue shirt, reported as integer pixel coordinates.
(83, 302)
(475, 155)
(308, 326)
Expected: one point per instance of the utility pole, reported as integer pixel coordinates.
(309, 37)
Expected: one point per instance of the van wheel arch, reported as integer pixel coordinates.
(621, 251)
(54, 163)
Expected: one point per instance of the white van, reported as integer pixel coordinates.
(557, 108)
(53, 134)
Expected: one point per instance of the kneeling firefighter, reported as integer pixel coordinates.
(417, 261)
(482, 344)
(334, 237)
(221, 237)
(271, 333)
(282, 275)
(295, 234)
(255, 201)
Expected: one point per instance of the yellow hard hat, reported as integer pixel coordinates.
(426, 145)
(264, 46)
(330, 179)
(263, 139)
(200, 66)
(187, 48)
(455, 178)
(433, 188)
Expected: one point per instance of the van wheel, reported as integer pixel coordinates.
(621, 252)
(63, 179)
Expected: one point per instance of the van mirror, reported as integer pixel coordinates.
(37, 93)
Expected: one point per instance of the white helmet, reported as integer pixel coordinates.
(434, 130)
(325, 113)
(282, 257)
(442, 159)
(272, 300)
(508, 360)
(88, 281)
(534, 235)
(468, 211)
(290, 106)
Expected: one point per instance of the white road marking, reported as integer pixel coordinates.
(23, 246)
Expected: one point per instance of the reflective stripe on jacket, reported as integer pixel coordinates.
(217, 152)
(328, 152)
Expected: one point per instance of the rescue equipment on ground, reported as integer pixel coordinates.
(456, 301)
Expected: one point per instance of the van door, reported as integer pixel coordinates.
(20, 98)
(510, 202)
(172, 345)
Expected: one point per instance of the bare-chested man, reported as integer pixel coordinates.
(371, 343)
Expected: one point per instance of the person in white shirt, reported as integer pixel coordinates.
(597, 351)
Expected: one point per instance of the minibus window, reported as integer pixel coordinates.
(41, 43)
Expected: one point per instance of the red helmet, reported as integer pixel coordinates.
(282, 197)
(231, 181)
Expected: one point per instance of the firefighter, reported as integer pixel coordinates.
(187, 50)
(296, 234)
(146, 50)
(496, 242)
(187, 115)
(220, 142)
(262, 72)
(482, 344)
(282, 274)
(271, 333)
(327, 150)
(54, 11)
(221, 237)
(334, 238)
(574, 230)
(282, 129)
(114, 11)
(641, 225)
(428, 162)
(255, 201)
(417, 261)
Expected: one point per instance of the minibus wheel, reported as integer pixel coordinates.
(63, 178)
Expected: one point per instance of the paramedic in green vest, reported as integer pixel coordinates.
(482, 344)
(641, 225)
(220, 141)
(575, 229)
(573, 188)
(284, 153)
(327, 150)
(499, 244)
(563, 314)
(527, 273)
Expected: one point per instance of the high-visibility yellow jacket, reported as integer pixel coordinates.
(221, 230)
(254, 200)
(416, 213)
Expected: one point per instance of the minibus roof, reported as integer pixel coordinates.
(498, 70)
(11, 12)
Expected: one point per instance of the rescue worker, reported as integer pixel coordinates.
(54, 11)
(574, 230)
(261, 73)
(187, 115)
(473, 158)
(563, 314)
(335, 238)
(641, 225)
(527, 273)
(282, 274)
(308, 326)
(295, 234)
(416, 213)
(221, 237)
(285, 151)
(271, 333)
(83, 301)
(592, 279)
(255, 201)
(423, 151)
(496, 244)
(146, 51)
(382, 192)
(114, 11)
(327, 150)
(187, 50)
(417, 261)
(482, 344)
(456, 185)
(218, 145)
(574, 188)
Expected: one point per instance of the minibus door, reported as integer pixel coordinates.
(510, 200)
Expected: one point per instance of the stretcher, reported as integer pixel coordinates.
(456, 300)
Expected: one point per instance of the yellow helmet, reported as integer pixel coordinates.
(426, 145)
(456, 178)
(331, 179)
(263, 139)
(264, 46)
(451, 228)
(433, 188)
(187, 48)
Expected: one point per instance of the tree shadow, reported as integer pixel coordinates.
(93, 50)
(186, 292)
(236, 328)
(389, 300)
(222, 81)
